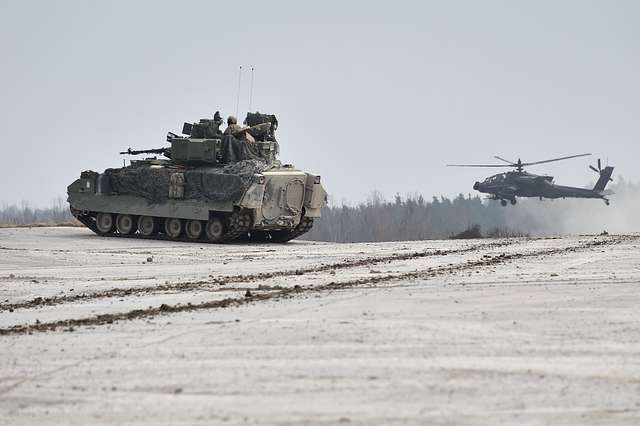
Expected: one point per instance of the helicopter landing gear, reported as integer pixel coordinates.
(513, 201)
(503, 203)
(606, 201)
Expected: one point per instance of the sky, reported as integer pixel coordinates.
(370, 95)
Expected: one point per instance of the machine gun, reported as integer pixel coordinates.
(164, 151)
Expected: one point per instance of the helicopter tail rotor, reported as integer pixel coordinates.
(600, 170)
(605, 176)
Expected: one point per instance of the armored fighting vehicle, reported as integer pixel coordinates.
(206, 186)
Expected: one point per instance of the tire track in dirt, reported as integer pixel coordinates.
(240, 278)
(286, 293)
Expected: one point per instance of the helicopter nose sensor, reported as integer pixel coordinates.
(476, 185)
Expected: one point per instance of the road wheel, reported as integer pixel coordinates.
(215, 229)
(193, 229)
(124, 224)
(146, 225)
(503, 203)
(513, 201)
(173, 227)
(104, 223)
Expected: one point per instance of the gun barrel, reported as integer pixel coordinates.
(145, 151)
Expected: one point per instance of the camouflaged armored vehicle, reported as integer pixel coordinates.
(209, 186)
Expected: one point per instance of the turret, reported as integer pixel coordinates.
(203, 142)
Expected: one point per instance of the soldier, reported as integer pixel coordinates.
(232, 126)
(217, 118)
(211, 128)
(238, 131)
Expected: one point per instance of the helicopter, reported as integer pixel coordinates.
(507, 186)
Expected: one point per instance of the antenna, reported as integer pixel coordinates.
(238, 96)
(251, 91)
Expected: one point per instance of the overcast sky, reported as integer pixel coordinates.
(371, 95)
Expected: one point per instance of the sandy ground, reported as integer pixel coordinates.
(119, 331)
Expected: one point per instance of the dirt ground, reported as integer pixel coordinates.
(120, 331)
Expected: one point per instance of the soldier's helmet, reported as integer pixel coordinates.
(232, 120)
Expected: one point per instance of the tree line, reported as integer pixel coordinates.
(24, 214)
(404, 218)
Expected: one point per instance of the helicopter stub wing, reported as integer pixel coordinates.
(507, 192)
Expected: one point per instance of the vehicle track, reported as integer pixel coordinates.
(240, 278)
(239, 227)
(103, 319)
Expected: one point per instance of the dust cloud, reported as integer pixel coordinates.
(578, 216)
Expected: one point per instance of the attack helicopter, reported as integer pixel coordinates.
(507, 186)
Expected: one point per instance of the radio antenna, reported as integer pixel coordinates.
(251, 91)
(238, 96)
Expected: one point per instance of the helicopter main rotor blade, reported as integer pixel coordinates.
(599, 165)
(506, 161)
(479, 165)
(555, 159)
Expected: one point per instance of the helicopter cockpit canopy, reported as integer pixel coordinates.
(492, 180)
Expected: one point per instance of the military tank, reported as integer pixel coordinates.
(205, 186)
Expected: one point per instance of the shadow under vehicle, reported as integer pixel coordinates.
(506, 187)
(208, 187)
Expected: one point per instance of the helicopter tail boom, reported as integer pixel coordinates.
(605, 177)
